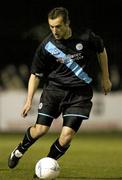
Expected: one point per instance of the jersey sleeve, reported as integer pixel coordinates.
(38, 65)
(96, 42)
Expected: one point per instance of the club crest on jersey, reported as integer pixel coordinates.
(40, 105)
(79, 46)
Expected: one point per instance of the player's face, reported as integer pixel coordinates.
(58, 27)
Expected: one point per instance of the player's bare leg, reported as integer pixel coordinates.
(61, 145)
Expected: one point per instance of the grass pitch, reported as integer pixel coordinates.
(92, 156)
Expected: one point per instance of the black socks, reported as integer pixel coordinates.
(27, 142)
(56, 150)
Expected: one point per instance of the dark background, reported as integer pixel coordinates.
(24, 25)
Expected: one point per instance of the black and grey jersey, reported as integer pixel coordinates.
(66, 63)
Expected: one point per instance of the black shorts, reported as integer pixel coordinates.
(74, 105)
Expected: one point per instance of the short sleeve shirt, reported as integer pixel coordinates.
(67, 62)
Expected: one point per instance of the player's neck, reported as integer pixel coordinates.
(68, 33)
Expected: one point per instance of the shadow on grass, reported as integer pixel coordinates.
(90, 178)
(69, 177)
(82, 178)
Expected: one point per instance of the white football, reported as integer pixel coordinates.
(47, 168)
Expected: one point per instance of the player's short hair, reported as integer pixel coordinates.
(59, 11)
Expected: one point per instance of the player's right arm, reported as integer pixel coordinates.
(32, 87)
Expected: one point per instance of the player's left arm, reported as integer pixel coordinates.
(105, 80)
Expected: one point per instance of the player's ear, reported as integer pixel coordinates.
(68, 23)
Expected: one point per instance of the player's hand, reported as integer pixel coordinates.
(106, 85)
(26, 108)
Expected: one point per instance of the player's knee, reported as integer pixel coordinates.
(66, 138)
(40, 130)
